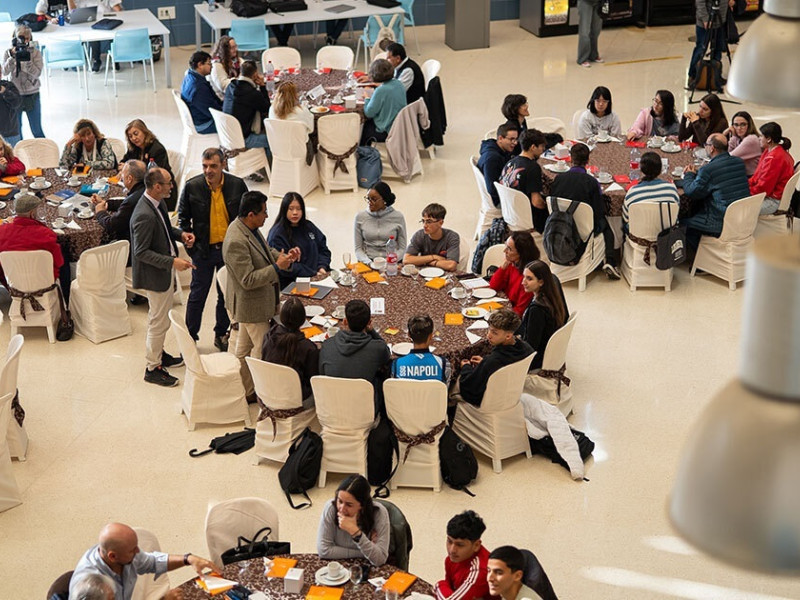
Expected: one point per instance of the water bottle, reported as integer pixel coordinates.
(212, 6)
(269, 76)
(151, 164)
(635, 156)
(391, 256)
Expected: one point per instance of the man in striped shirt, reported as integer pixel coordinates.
(650, 188)
(465, 568)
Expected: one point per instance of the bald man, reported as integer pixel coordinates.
(117, 556)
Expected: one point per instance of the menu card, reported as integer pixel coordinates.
(321, 592)
(399, 581)
(280, 566)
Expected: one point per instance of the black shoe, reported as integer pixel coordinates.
(159, 376)
(221, 342)
(116, 66)
(257, 177)
(96, 64)
(330, 41)
(611, 271)
(167, 360)
(138, 299)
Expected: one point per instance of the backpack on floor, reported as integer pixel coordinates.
(230, 443)
(561, 240)
(457, 461)
(301, 469)
(382, 451)
(546, 447)
(368, 166)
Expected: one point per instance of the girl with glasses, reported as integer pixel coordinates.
(743, 140)
(659, 119)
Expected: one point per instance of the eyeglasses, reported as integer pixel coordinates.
(368, 199)
(657, 102)
(429, 221)
(740, 124)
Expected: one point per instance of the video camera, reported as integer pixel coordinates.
(22, 48)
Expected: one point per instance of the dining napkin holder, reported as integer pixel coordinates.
(65, 209)
(560, 151)
(293, 581)
(303, 285)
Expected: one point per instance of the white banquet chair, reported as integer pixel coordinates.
(493, 257)
(97, 295)
(335, 57)
(212, 388)
(515, 207)
(346, 412)
(548, 125)
(290, 173)
(430, 69)
(147, 586)
(192, 143)
(339, 135)
(645, 222)
(241, 161)
(118, 146)
(496, 428)
(38, 153)
(229, 519)
(30, 271)
(16, 434)
(463, 254)
(9, 492)
(417, 408)
(282, 58)
(595, 250)
(278, 389)
(778, 222)
(725, 256)
(488, 211)
(548, 383)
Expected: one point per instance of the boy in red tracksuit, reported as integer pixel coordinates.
(465, 568)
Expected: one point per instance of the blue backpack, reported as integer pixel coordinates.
(368, 166)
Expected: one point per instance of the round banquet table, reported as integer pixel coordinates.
(404, 297)
(254, 579)
(334, 81)
(90, 235)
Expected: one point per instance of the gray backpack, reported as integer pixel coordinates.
(561, 240)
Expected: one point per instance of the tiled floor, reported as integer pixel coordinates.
(106, 446)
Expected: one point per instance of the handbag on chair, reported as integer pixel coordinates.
(246, 549)
(66, 326)
(670, 243)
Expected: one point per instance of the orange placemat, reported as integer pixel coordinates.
(361, 268)
(490, 306)
(5, 192)
(11, 179)
(114, 179)
(309, 293)
(281, 565)
(453, 319)
(34, 172)
(373, 277)
(399, 581)
(436, 283)
(310, 332)
(321, 592)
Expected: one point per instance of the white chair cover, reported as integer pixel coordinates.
(725, 256)
(9, 492)
(30, 271)
(176, 162)
(548, 125)
(118, 146)
(16, 434)
(184, 277)
(278, 387)
(147, 587)
(430, 69)
(488, 211)
(463, 254)
(555, 357)
(338, 134)
(595, 248)
(416, 407)
(38, 153)
(576, 117)
(645, 219)
(776, 223)
(247, 161)
(290, 173)
(192, 143)
(227, 520)
(515, 207)
(212, 388)
(97, 296)
(497, 427)
(346, 411)
(493, 257)
(282, 58)
(335, 57)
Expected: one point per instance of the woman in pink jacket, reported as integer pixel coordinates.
(774, 169)
(659, 119)
(743, 140)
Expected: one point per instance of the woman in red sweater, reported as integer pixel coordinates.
(520, 249)
(775, 167)
(9, 164)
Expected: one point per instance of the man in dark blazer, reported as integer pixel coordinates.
(253, 292)
(117, 224)
(246, 98)
(208, 204)
(155, 255)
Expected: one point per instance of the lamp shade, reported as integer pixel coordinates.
(764, 67)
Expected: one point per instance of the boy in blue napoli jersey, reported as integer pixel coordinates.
(421, 363)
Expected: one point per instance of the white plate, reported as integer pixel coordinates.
(484, 293)
(431, 272)
(474, 312)
(321, 576)
(2, 205)
(670, 150)
(79, 184)
(320, 110)
(314, 310)
(555, 168)
(604, 140)
(605, 180)
(46, 185)
(82, 216)
(403, 348)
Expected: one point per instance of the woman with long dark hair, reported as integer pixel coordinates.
(143, 145)
(659, 119)
(546, 312)
(774, 169)
(599, 115)
(291, 228)
(225, 64)
(743, 140)
(520, 249)
(286, 345)
(352, 526)
(709, 118)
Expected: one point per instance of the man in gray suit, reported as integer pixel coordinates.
(155, 255)
(253, 292)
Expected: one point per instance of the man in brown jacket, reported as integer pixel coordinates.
(252, 294)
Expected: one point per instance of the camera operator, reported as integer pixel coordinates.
(710, 18)
(22, 65)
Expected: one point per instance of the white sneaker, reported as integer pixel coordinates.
(586, 64)
(611, 271)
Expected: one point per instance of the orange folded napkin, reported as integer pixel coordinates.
(490, 306)
(361, 268)
(281, 565)
(5, 192)
(373, 277)
(399, 581)
(321, 592)
(309, 332)
(453, 319)
(391, 331)
(114, 180)
(310, 293)
(214, 584)
(436, 283)
(34, 172)
(11, 179)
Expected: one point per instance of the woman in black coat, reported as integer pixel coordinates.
(546, 313)
(143, 145)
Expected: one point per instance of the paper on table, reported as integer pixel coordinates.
(3, 184)
(324, 321)
(59, 231)
(490, 300)
(214, 584)
(471, 284)
(73, 225)
(479, 324)
(377, 306)
(320, 337)
(472, 337)
(614, 187)
(327, 282)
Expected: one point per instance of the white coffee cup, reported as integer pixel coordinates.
(334, 568)
(74, 181)
(379, 263)
(678, 171)
(40, 180)
(332, 331)
(409, 269)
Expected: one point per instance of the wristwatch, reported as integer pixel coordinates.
(357, 537)
(186, 558)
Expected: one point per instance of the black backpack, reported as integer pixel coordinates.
(301, 469)
(546, 447)
(382, 451)
(249, 8)
(458, 464)
(33, 21)
(561, 239)
(230, 443)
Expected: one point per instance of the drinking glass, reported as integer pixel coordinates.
(391, 594)
(346, 258)
(355, 574)
(459, 293)
(438, 323)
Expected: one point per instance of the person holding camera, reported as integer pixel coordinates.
(710, 18)
(22, 65)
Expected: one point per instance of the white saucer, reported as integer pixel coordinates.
(79, 184)
(556, 169)
(2, 205)
(46, 185)
(338, 316)
(320, 110)
(403, 348)
(670, 150)
(431, 272)
(474, 312)
(82, 216)
(603, 140)
(678, 175)
(314, 310)
(321, 577)
(605, 180)
(403, 272)
(484, 293)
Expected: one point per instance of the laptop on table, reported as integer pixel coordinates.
(83, 15)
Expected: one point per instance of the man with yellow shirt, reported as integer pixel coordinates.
(208, 204)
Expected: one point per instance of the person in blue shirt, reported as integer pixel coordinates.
(421, 363)
(291, 228)
(382, 107)
(198, 94)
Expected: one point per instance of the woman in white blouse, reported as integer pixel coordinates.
(225, 64)
(286, 106)
(598, 115)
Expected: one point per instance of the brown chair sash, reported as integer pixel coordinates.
(339, 158)
(646, 244)
(272, 414)
(31, 297)
(789, 217)
(558, 376)
(416, 440)
(16, 408)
